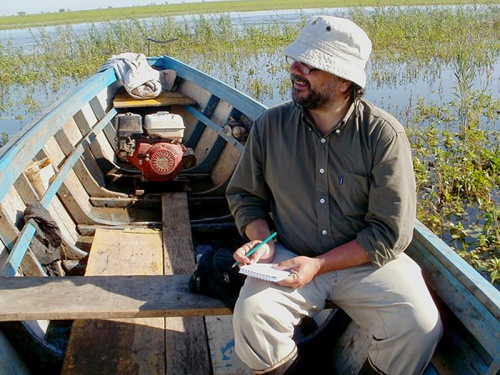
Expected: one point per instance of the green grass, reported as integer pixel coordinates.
(111, 14)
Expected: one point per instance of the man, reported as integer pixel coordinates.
(333, 175)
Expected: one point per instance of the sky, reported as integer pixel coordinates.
(10, 8)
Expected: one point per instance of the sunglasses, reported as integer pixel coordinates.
(306, 69)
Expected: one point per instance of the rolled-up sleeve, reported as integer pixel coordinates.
(392, 200)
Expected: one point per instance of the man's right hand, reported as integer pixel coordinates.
(256, 231)
(264, 254)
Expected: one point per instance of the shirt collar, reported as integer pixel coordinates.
(336, 130)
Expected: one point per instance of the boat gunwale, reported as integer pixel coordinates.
(473, 292)
(244, 103)
(71, 103)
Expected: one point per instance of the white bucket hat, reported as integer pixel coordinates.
(335, 45)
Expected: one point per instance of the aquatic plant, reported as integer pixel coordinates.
(457, 165)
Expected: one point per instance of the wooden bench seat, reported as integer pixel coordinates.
(165, 99)
(103, 297)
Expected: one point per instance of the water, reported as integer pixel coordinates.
(26, 39)
(395, 95)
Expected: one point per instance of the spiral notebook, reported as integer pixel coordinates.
(264, 271)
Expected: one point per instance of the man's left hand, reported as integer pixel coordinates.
(303, 270)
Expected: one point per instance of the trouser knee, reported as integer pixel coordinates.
(263, 332)
(409, 346)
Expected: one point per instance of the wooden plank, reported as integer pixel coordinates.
(196, 130)
(61, 216)
(88, 180)
(13, 207)
(351, 350)
(221, 343)
(69, 136)
(54, 152)
(179, 256)
(76, 200)
(99, 145)
(4, 252)
(8, 234)
(215, 127)
(124, 202)
(186, 342)
(124, 100)
(116, 347)
(25, 189)
(102, 297)
(18, 251)
(126, 252)
(110, 131)
(126, 346)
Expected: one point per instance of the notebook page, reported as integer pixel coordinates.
(264, 271)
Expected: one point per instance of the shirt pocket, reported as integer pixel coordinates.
(350, 191)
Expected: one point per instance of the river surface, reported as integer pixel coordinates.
(395, 96)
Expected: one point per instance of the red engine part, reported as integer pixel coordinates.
(159, 161)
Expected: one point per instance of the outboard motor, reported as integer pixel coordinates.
(156, 148)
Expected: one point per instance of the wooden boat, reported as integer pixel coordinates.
(121, 245)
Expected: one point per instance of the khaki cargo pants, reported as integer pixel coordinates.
(392, 302)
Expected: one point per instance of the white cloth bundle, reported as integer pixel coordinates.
(139, 79)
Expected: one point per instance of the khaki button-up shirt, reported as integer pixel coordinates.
(356, 182)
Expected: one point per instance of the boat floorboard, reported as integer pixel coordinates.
(124, 344)
(171, 345)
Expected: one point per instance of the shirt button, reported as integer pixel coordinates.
(324, 232)
(321, 170)
(323, 140)
(322, 200)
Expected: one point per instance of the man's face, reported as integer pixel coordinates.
(315, 90)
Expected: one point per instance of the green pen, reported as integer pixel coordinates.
(257, 247)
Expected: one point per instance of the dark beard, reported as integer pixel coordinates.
(314, 100)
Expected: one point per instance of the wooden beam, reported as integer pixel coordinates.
(102, 297)
(185, 337)
(124, 100)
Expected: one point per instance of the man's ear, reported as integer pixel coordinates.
(346, 86)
